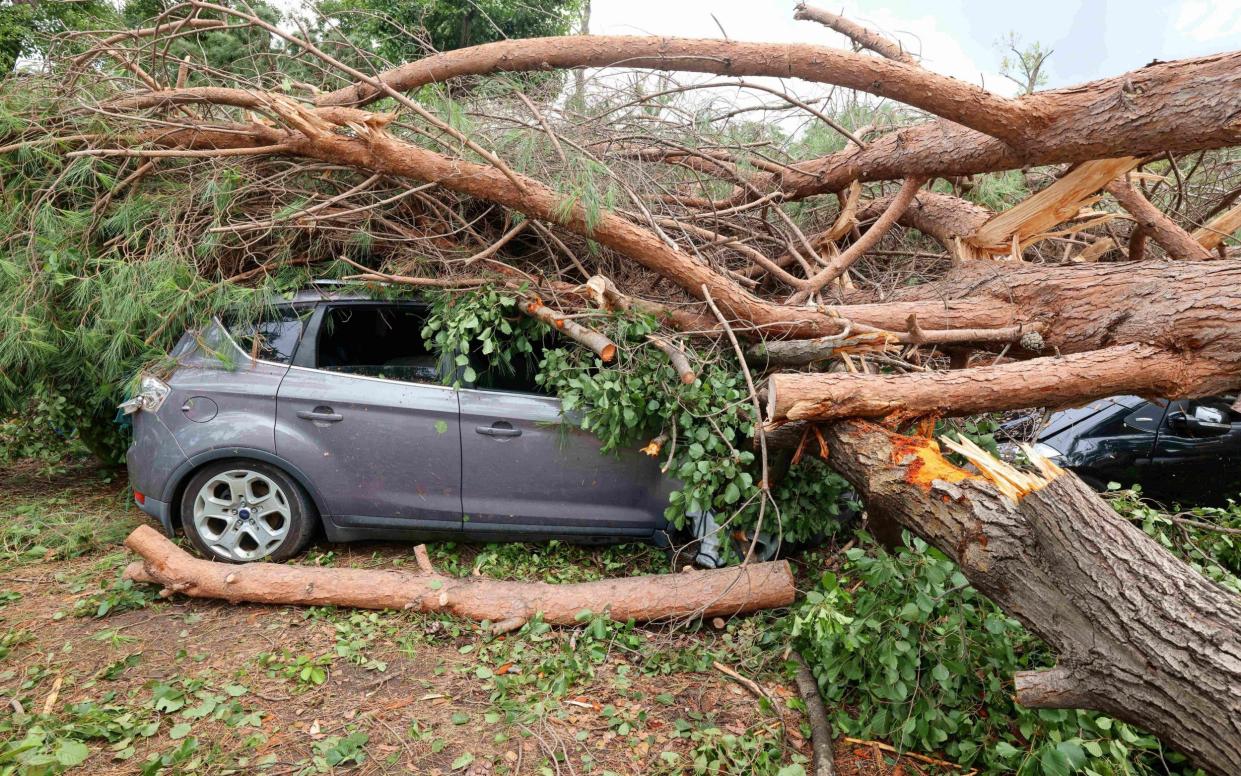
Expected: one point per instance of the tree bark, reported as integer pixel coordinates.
(1154, 224)
(1173, 106)
(1039, 382)
(866, 38)
(1182, 106)
(508, 605)
(950, 98)
(947, 219)
(1138, 633)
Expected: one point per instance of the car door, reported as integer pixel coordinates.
(528, 471)
(363, 414)
(1196, 465)
(525, 470)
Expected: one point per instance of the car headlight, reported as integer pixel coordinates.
(151, 394)
(1047, 451)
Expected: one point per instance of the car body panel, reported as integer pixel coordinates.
(1129, 440)
(211, 370)
(394, 456)
(525, 469)
(1198, 469)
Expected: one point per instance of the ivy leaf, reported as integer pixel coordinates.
(732, 493)
(179, 731)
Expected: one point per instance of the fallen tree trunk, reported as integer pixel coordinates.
(1041, 382)
(507, 605)
(1138, 633)
(1181, 106)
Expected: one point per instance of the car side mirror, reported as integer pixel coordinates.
(1204, 422)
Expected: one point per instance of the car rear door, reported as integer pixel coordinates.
(363, 415)
(1202, 469)
(526, 470)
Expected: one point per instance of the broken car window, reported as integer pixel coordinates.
(376, 341)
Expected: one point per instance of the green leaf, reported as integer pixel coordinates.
(179, 731)
(70, 753)
(462, 761)
(1054, 762)
(732, 493)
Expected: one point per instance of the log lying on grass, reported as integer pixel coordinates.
(507, 605)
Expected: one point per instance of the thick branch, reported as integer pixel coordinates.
(598, 342)
(509, 605)
(949, 220)
(1040, 382)
(1154, 224)
(1139, 634)
(955, 100)
(1183, 106)
(1050, 206)
(862, 36)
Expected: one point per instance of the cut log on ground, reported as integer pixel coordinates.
(1138, 633)
(507, 605)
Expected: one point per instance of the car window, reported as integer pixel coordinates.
(1145, 418)
(376, 341)
(519, 375)
(1215, 409)
(270, 335)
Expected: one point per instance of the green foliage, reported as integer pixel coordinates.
(45, 431)
(1023, 63)
(115, 596)
(26, 28)
(56, 526)
(638, 397)
(403, 30)
(917, 657)
(335, 751)
(237, 50)
(1207, 538)
(305, 670)
(759, 750)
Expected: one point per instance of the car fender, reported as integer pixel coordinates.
(182, 472)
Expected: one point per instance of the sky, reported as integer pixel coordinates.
(1091, 38)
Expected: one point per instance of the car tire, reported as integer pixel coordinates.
(240, 511)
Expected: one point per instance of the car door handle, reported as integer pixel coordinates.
(499, 429)
(320, 415)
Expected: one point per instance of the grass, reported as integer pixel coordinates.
(109, 678)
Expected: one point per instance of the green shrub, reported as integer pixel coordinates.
(917, 657)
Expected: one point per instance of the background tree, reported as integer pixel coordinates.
(27, 26)
(400, 30)
(241, 49)
(1023, 64)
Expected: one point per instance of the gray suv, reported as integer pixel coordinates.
(332, 410)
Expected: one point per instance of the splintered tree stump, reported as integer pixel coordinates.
(1138, 633)
(507, 605)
